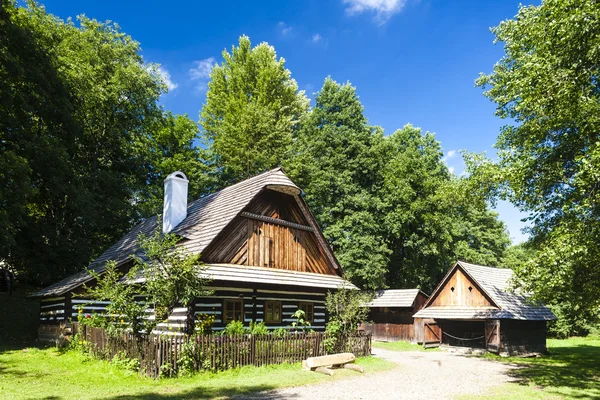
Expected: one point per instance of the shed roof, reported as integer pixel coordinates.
(395, 298)
(206, 218)
(494, 282)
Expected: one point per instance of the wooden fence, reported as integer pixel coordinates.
(390, 332)
(164, 355)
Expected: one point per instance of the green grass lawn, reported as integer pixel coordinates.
(401, 346)
(571, 370)
(33, 373)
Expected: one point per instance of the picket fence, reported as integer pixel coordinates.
(162, 355)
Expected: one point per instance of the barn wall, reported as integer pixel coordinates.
(253, 302)
(518, 337)
(252, 242)
(52, 310)
(460, 290)
(391, 323)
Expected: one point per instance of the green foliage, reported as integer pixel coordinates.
(252, 108)
(547, 83)
(83, 141)
(123, 313)
(337, 161)
(300, 324)
(389, 207)
(347, 309)
(234, 328)
(171, 275)
(516, 256)
(188, 359)
(172, 147)
(258, 328)
(121, 361)
(204, 323)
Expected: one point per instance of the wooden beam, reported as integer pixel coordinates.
(332, 359)
(276, 221)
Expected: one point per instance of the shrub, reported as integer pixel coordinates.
(234, 328)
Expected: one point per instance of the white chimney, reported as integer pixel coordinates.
(175, 207)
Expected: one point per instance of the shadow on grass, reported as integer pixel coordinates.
(572, 372)
(248, 392)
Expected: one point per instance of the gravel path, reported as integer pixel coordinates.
(419, 375)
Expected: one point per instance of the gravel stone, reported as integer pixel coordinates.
(419, 375)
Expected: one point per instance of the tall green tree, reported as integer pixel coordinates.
(430, 220)
(337, 160)
(251, 112)
(549, 157)
(172, 146)
(79, 108)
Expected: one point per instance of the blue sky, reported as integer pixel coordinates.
(412, 61)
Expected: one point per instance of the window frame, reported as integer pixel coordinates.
(233, 302)
(310, 317)
(272, 321)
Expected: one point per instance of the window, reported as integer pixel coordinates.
(308, 311)
(272, 311)
(233, 310)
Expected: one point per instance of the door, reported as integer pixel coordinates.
(432, 334)
(492, 335)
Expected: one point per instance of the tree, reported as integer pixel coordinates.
(417, 215)
(547, 83)
(336, 160)
(79, 109)
(347, 309)
(430, 220)
(165, 274)
(252, 110)
(172, 147)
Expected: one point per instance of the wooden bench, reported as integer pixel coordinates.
(324, 364)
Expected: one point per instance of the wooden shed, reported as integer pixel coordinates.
(391, 314)
(474, 306)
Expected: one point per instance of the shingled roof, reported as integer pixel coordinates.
(495, 283)
(206, 218)
(395, 298)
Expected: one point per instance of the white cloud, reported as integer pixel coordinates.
(201, 73)
(451, 170)
(165, 76)
(283, 28)
(316, 38)
(383, 9)
(203, 68)
(450, 154)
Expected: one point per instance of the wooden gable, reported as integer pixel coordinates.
(271, 232)
(459, 290)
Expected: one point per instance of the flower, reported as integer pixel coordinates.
(122, 322)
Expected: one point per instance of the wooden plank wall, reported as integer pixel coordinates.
(254, 303)
(52, 310)
(390, 332)
(460, 290)
(251, 242)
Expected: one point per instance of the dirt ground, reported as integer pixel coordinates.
(419, 375)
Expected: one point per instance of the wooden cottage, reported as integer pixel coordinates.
(473, 306)
(391, 314)
(265, 255)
